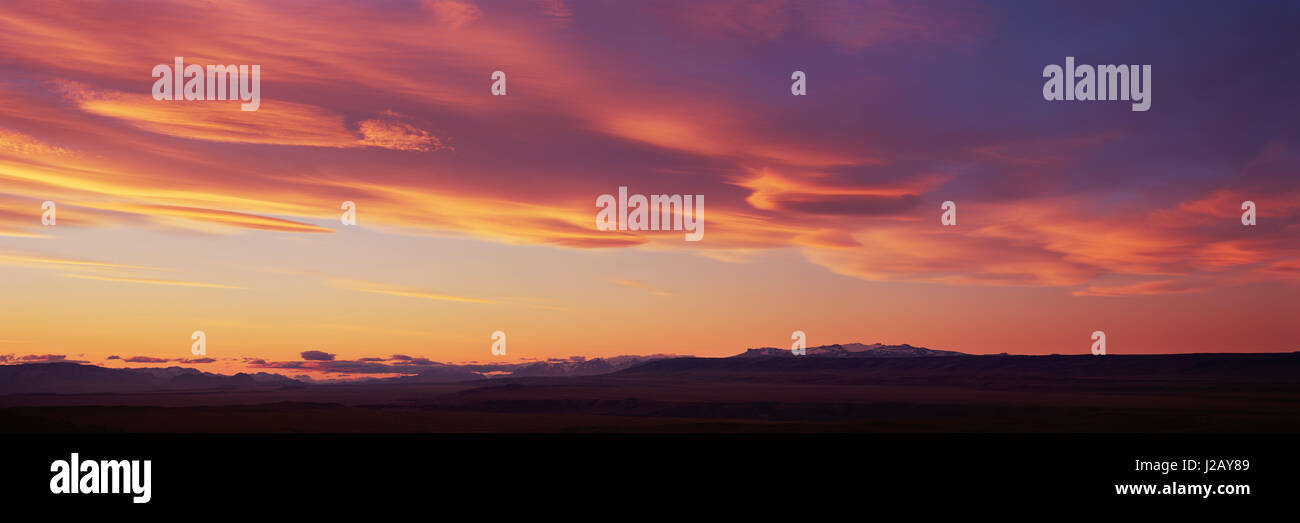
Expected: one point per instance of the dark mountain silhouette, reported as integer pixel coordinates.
(967, 393)
(437, 374)
(852, 350)
(1011, 370)
(578, 366)
(835, 388)
(74, 378)
(582, 366)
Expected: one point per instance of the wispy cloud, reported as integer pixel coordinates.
(639, 285)
(152, 281)
(49, 262)
(394, 290)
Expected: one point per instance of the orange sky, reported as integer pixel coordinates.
(475, 212)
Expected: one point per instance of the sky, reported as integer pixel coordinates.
(475, 213)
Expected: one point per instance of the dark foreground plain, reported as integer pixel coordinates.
(1170, 393)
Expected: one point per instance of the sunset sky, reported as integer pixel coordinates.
(476, 212)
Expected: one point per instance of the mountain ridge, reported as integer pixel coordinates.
(853, 350)
(69, 377)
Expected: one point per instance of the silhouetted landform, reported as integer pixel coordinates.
(752, 393)
(581, 367)
(437, 374)
(445, 373)
(852, 350)
(69, 378)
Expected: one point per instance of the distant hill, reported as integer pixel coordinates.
(437, 374)
(583, 367)
(449, 373)
(974, 393)
(75, 378)
(970, 369)
(853, 350)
